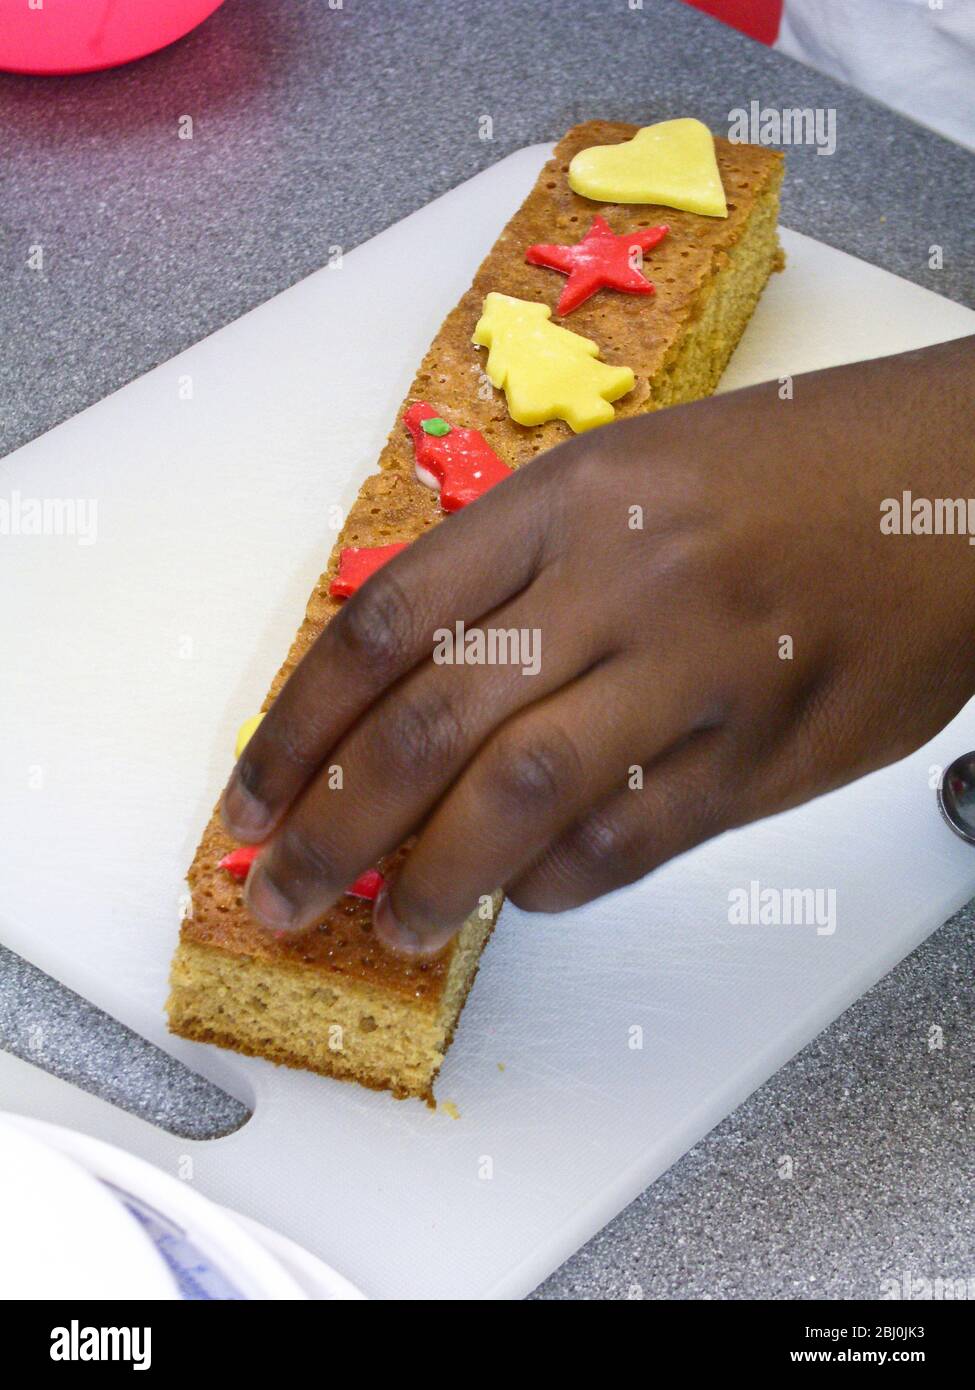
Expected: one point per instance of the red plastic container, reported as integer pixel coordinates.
(65, 36)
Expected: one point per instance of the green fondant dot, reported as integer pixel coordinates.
(435, 425)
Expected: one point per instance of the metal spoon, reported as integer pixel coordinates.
(956, 796)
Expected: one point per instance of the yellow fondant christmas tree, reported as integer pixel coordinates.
(546, 372)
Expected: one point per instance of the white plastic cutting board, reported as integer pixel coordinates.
(130, 662)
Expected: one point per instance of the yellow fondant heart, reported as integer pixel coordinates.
(671, 163)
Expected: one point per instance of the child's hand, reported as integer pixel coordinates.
(756, 641)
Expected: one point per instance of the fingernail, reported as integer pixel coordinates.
(398, 937)
(244, 816)
(266, 902)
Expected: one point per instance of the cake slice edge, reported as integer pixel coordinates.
(303, 1018)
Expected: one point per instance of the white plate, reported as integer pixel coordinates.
(62, 1234)
(211, 1255)
(314, 1276)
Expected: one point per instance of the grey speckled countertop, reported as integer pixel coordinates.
(316, 126)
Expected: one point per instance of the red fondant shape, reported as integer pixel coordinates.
(238, 862)
(357, 563)
(463, 462)
(601, 260)
(367, 885)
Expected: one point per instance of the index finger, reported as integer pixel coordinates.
(461, 570)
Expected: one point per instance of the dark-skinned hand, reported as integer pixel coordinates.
(716, 605)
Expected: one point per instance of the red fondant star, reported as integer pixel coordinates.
(601, 260)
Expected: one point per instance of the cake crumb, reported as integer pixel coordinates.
(450, 1109)
(500, 1066)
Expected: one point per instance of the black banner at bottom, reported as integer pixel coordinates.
(181, 1340)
